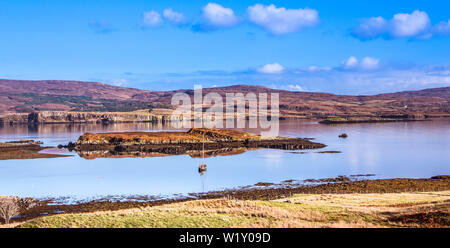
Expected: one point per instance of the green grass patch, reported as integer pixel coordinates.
(147, 219)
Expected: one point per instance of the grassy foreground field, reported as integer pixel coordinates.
(420, 209)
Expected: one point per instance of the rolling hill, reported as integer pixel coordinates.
(18, 96)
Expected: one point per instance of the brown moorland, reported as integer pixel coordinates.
(35, 96)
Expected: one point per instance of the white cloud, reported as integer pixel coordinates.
(295, 87)
(351, 62)
(371, 28)
(387, 78)
(151, 19)
(217, 16)
(282, 20)
(367, 63)
(442, 28)
(402, 25)
(290, 87)
(173, 16)
(271, 68)
(314, 68)
(409, 25)
(119, 82)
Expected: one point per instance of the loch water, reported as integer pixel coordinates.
(388, 150)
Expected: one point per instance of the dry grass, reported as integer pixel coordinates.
(298, 211)
(379, 209)
(245, 208)
(194, 135)
(11, 225)
(376, 200)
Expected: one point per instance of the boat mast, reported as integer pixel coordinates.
(203, 149)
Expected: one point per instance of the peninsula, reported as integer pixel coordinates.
(24, 149)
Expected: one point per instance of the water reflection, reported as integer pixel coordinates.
(90, 155)
(77, 128)
(389, 150)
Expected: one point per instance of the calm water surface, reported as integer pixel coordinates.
(389, 150)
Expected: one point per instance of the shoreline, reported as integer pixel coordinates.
(339, 186)
(375, 210)
(25, 149)
(163, 116)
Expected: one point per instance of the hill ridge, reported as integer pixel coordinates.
(26, 96)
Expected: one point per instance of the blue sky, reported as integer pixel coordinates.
(345, 47)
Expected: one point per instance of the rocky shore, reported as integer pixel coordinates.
(260, 192)
(211, 141)
(24, 149)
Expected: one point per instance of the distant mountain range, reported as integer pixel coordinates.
(18, 96)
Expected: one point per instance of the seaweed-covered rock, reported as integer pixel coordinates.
(343, 136)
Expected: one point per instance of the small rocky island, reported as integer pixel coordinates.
(193, 142)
